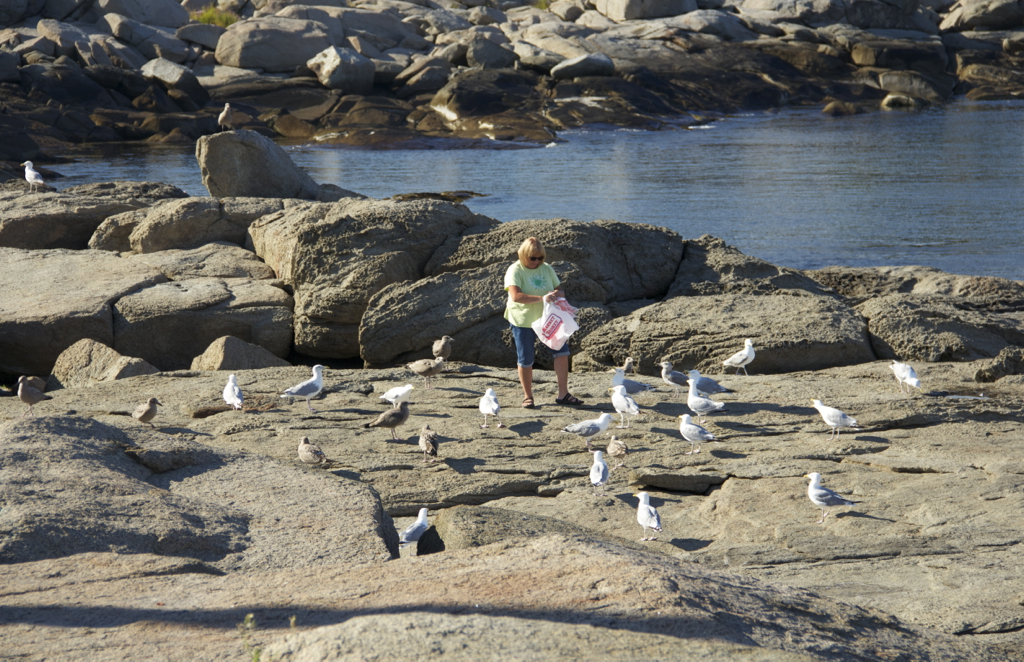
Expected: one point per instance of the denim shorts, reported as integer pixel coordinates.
(525, 339)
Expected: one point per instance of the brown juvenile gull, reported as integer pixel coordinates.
(617, 449)
(309, 388)
(146, 412)
(29, 394)
(426, 369)
(311, 453)
(32, 177)
(834, 418)
(627, 367)
(443, 349)
(428, 442)
(391, 418)
(647, 516)
(824, 497)
(741, 358)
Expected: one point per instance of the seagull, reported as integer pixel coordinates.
(671, 377)
(647, 515)
(590, 428)
(700, 405)
(834, 418)
(741, 358)
(415, 531)
(693, 433)
(632, 387)
(233, 394)
(705, 385)
(309, 388)
(226, 119)
(824, 497)
(428, 443)
(32, 176)
(443, 349)
(598, 472)
(426, 369)
(146, 412)
(311, 453)
(489, 407)
(627, 367)
(29, 394)
(391, 418)
(617, 449)
(905, 373)
(623, 404)
(397, 395)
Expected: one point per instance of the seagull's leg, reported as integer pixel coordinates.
(485, 422)
(589, 447)
(745, 371)
(394, 435)
(645, 534)
(309, 406)
(500, 424)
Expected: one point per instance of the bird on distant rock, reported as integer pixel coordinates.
(693, 433)
(705, 385)
(426, 369)
(146, 412)
(905, 374)
(647, 516)
(428, 444)
(627, 367)
(489, 407)
(700, 405)
(398, 395)
(311, 453)
(834, 418)
(617, 449)
(623, 404)
(391, 419)
(741, 358)
(672, 378)
(824, 497)
(415, 531)
(29, 394)
(309, 388)
(590, 428)
(632, 387)
(32, 176)
(443, 349)
(233, 394)
(226, 120)
(598, 472)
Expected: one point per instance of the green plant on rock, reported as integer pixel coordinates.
(246, 629)
(541, 4)
(215, 16)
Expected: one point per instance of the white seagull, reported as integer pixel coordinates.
(700, 405)
(233, 394)
(309, 388)
(397, 395)
(905, 374)
(705, 385)
(632, 387)
(741, 358)
(824, 497)
(623, 404)
(834, 418)
(415, 531)
(226, 119)
(647, 515)
(32, 177)
(693, 433)
(598, 472)
(671, 377)
(489, 407)
(590, 428)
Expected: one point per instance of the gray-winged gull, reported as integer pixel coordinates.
(309, 388)
(823, 497)
(428, 444)
(398, 394)
(647, 515)
(233, 394)
(905, 374)
(590, 428)
(741, 358)
(489, 407)
(671, 377)
(391, 419)
(146, 412)
(598, 472)
(617, 448)
(705, 385)
(426, 368)
(627, 367)
(29, 394)
(632, 387)
(693, 433)
(32, 176)
(623, 404)
(311, 453)
(834, 418)
(442, 349)
(700, 405)
(415, 531)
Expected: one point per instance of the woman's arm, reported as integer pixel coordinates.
(518, 296)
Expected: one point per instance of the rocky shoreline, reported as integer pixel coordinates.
(387, 73)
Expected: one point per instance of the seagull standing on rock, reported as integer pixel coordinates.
(824, 497)
(647, 516)
(632, 387)
(598, 472)
(233, 394)
(590, 428)
(834, 418)
(623, 404)
(700, 405)
(705, 385)
(146, 412)
(391, 419)
(309, 388)
(442, 349)
(617, 449)
(741, 358)
(32, 176)
(671, 377)
(693, 433)
(428, 444)
(29, 394)
(415, 531)
(489, 407)
(905, 374)
(627, 367)
(397, 395)
(426, 369)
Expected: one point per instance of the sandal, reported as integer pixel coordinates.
(568, 399)
(527, 403)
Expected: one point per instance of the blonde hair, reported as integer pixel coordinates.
(530, 246)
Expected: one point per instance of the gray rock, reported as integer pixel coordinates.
(985, 14)
(566, 10)
(64, 36)
(88, 362)
(486, 16)
(343, 69)
(246, 164)
(486, 54)
(534, 57)
(230, 353)
(166, 13)
(627, 10)
(172, 323)
(213, 260)
(205, 34)
(9, 67)
(913, 84)
(592, 64)
(1009, 361)
(272, 44)
(713, 22)
(176, 77)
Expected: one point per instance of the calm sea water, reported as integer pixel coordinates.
(942, 188)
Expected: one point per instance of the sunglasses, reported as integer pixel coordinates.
(536, 258)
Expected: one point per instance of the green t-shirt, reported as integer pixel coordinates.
(535, 282)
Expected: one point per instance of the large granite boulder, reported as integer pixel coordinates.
(272, 44)
(628, 10)
(213, 260)
(53, 298)
(967, 15)
(174, 76)
(88, 362)
(246, 164)
(230, 353)
(343, 69)
(337, 256)
(165, 13)
(171, 323)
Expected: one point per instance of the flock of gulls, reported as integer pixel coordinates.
(699, 388)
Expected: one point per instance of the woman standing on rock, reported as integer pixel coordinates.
(530, 282)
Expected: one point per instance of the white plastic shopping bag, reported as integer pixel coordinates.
(556, 324)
